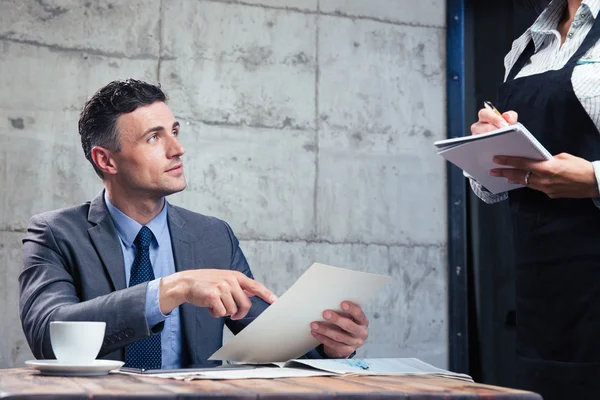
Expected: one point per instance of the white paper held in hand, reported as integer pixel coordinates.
(473, 154)
(282, 331)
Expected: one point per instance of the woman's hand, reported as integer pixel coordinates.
(490, 121)
(564, 176)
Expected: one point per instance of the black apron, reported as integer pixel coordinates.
(557, 242)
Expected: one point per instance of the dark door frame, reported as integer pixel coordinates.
(457, 195)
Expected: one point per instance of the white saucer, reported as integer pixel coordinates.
(53, 367)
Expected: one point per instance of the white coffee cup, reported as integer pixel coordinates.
(76, 342)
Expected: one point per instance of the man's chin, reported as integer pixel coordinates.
(174, 188)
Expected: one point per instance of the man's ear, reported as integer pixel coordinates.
(104, 161)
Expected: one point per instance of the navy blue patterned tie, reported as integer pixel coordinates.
(145, 353)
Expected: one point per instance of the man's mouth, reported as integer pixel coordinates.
(176, 168)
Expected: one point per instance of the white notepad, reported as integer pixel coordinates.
(282, 331)
(473, 154)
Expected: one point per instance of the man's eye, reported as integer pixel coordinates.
(175, 133)
(152, 138)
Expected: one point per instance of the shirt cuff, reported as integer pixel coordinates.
(321, 350)
(596, 165)
(153, 313)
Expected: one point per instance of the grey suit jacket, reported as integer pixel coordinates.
(73, 270)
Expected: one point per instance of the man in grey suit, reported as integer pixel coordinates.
(164, 279)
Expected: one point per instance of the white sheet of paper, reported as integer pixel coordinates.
(379, 366)
(256, 373)
(262, 373)
(282, 331)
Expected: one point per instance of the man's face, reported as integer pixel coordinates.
(150, 157)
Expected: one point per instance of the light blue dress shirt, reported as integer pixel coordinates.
(163, 264)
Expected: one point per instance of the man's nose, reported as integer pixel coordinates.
(176, 149)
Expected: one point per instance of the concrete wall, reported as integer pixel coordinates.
(308, 126)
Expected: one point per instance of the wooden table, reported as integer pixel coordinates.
(28, 384)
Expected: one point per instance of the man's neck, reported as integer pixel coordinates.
(141, 209)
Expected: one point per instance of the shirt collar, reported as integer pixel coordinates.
(547, 23)
(128, 228)
(593, 6)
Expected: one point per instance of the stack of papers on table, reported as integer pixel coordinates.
(309, 368)
(271, 346)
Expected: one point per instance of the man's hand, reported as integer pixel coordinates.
(341, 335)
(224, 292)
(564, 176)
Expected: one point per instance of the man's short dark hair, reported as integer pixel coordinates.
(98, 119)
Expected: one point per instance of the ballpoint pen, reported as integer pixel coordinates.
(356, 363)
(490, 106)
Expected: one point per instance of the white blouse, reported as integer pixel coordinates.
(549, 55)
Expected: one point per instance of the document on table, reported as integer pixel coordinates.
(377, 366)
(282, 331)
(262, 372)
(307, 368)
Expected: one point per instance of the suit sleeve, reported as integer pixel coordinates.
(48, 292)
(239, 263)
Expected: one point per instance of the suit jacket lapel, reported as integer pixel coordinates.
(106, 241)
(181, 240)
(183, 253)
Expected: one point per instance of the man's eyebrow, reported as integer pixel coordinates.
(153, 129)
(159, 128)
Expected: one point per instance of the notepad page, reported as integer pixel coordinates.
(475, 158)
